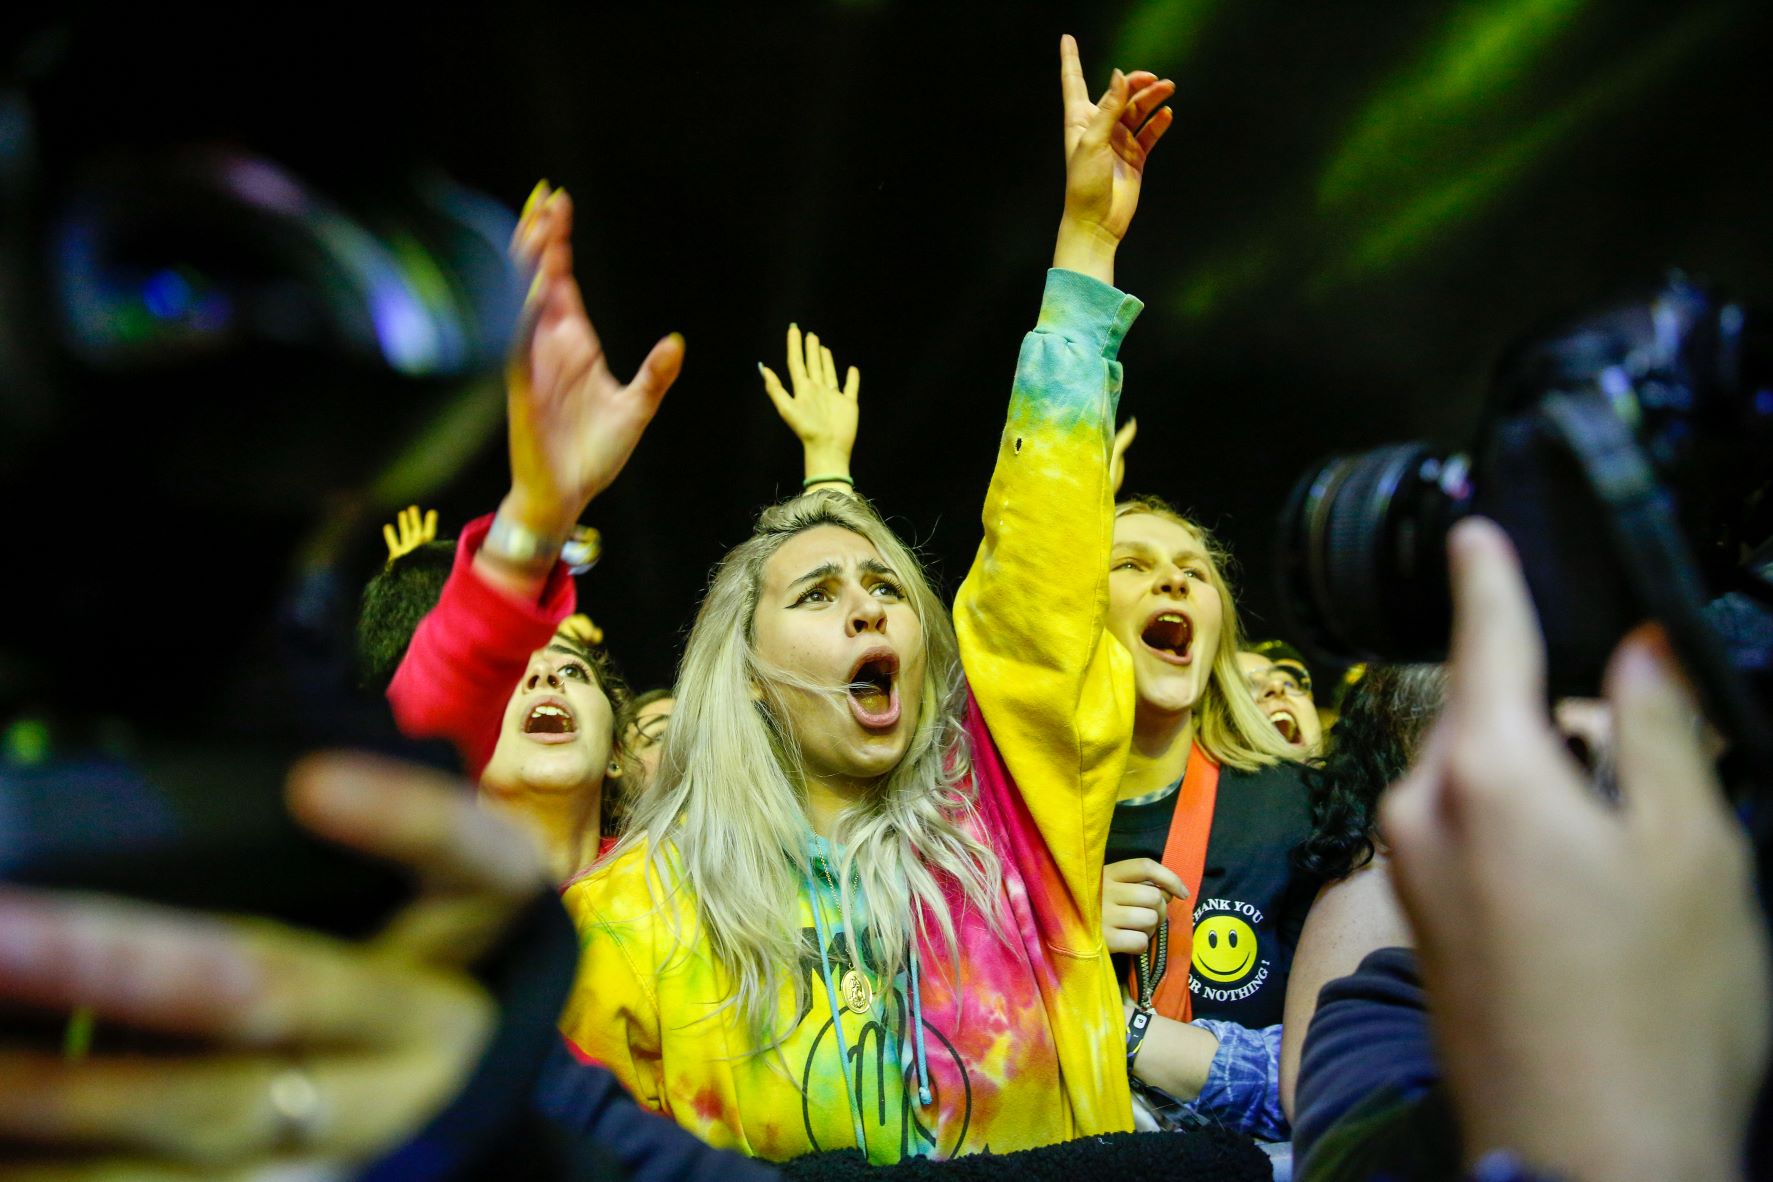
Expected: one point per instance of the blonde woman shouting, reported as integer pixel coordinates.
(860, 906)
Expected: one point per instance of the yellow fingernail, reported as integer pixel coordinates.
(535, 196)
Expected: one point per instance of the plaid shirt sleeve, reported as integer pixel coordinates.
(1243, 1083)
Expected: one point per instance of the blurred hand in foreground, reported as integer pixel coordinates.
(1600, 972)
(315, 1054)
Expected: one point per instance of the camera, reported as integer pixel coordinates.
(1628, 456)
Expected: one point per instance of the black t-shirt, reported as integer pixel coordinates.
(1252, 900)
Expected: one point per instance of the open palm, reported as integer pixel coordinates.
(572, 424)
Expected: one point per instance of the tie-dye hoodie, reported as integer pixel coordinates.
(1026, 1047)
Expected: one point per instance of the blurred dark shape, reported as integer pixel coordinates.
(163, 258)
(1628, 456)
(205, 362)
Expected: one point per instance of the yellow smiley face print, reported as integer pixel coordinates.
(1224, 948)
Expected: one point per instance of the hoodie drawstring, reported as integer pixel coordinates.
(843, 1044)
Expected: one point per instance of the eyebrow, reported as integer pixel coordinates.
(824, 571)
(868, 566)
(562, 649)
(1146, 549)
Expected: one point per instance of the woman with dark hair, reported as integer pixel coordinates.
(1384, 718)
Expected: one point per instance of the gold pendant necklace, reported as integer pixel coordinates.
(858, 994)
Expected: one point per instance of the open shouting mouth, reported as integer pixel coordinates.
(1169, 634)
(873, 689)
(551, 720)
(1288, 725)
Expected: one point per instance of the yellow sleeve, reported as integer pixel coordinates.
(612, 1014)
(1055, 689)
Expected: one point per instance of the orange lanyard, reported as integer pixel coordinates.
(1185, 852)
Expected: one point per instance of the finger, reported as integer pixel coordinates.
(796, 357)
(221, 1110)
(1154, 129)
(828, 365)
(815, 368)
(1165, 879)
(56, 1168)
(772, 386)
(852, 386)
(250, 982)
(658, 371)
(1497, 660)
(1123, 943)
(559, 205)
(1664, 775)
(416, 817)
(453, 930)
(1141, 895)
(1108, 111)
(1072, 88)
(393, 541)
(1123, 439)
(429, 532)
(1146, 870)
(521, 236)
(1131, 919)
(537, 195)
(1147, 96)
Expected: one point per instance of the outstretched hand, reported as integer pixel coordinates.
(306, 1054)
(1107, 142)
(822, 416)
(415, 530)
(1560, 935)
(572, 424)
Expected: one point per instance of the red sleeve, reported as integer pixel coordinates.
(469, 653)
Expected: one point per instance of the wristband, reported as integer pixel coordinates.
(1138, 1026)
(519, 545)
(582, 549)
(834, 478)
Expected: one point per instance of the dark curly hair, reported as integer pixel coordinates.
(1384, 718)
(394, 601)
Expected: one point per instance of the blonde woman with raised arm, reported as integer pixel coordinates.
(860, 907)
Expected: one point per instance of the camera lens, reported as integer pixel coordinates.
(1362, 553)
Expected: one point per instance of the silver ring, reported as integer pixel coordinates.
(297, 1107)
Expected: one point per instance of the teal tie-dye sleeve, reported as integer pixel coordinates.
(1054, 689)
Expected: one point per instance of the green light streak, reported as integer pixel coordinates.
(446, 445)
(77, 1035)
(1159, 35)
(1415, 226)
(1424, 115)
(25, 743)
(1214, 284)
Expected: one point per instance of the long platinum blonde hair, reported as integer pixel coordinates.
(1228, 724)
(727, 814)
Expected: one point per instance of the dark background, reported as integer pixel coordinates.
(1357, 207)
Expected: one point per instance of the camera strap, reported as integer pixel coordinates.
(1647, 535)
